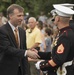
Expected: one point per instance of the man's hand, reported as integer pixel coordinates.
(32, 54)
(34, 50)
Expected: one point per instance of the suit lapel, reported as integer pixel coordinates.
(11, 34)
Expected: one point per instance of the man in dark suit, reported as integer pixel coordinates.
(13, 55)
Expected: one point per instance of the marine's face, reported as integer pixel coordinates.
(56, 19)
(17, 17)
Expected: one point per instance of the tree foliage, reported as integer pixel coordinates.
(34, 7)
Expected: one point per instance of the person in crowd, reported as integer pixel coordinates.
(4, 19)
(24, 25)
(42, 45)
(49, 20)
(26, 17)
(13, 51)
(60, 60)
(48, 39)
(33, 36)
(42, 18)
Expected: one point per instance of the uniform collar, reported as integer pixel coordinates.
(63, 29)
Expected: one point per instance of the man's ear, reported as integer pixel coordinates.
(10, 16)
(57, 18)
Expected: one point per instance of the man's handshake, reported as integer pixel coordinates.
(32, 54)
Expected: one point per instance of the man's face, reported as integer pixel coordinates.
(32, 23)
(56, 19)
(17, 17)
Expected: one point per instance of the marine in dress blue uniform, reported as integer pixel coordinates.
(60, 60)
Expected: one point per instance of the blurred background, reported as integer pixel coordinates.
(34, 7)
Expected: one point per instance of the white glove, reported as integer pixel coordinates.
(38, 64)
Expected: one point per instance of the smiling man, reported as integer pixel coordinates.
(13, 53)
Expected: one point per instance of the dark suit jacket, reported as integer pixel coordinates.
(10, 55)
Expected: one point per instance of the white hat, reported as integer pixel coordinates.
(67, 5)
(63, 11)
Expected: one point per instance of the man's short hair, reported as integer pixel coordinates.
(32, 18)
(11, 8)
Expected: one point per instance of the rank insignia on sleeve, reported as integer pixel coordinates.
(60, 49)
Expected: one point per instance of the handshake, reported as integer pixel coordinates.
(32, 53)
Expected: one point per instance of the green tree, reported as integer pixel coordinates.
(34, 7)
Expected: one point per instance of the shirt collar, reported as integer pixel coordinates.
(12, 26)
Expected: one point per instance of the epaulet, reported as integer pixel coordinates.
(65, 32)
